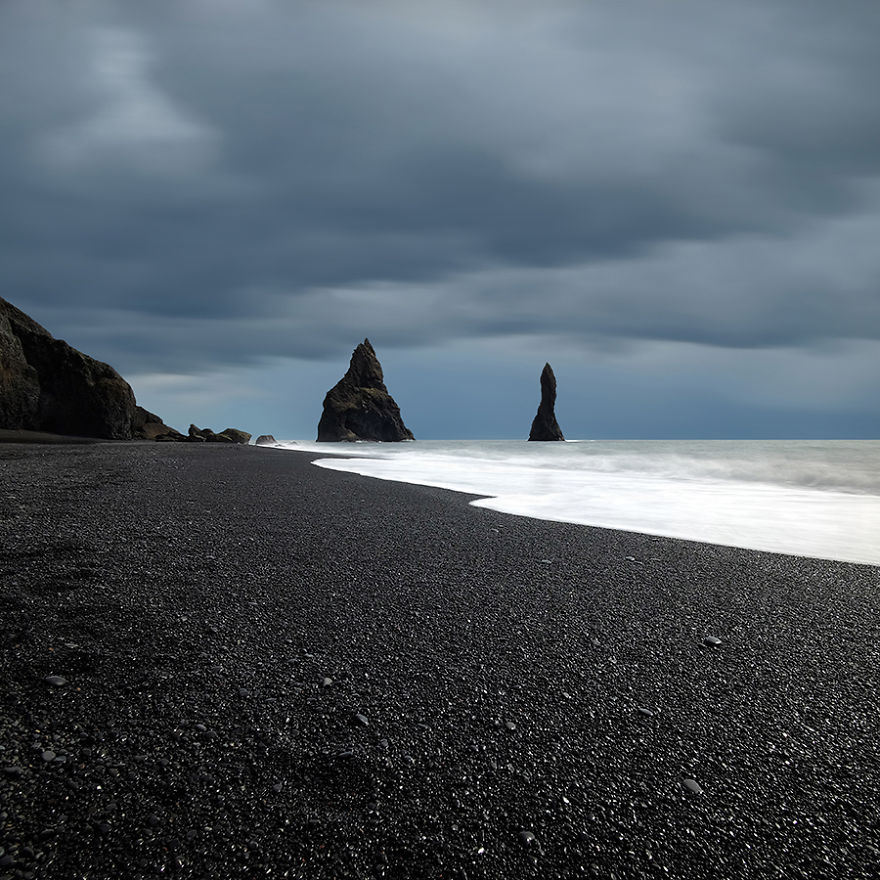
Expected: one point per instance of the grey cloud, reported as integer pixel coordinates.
(313, 172)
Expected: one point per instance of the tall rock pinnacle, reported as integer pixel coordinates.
(359, 407)
(545, 426)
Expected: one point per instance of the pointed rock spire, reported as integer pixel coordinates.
(359, 407)
(545, 426)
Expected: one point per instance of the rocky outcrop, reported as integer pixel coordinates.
(46, 385)
(359, 406)
(149, 426)
(236, 436)
(227, 435)
(265, 440)
(545, 426)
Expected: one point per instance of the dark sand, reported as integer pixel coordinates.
(222, 615)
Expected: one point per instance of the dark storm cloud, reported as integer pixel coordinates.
(225, 181)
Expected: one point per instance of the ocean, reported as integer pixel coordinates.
(818, 498)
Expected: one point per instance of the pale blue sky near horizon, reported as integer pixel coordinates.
(676, 205)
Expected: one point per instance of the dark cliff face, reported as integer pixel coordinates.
(46, 385)
(545, 426)
(359, 406)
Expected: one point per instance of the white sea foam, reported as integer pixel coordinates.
(809, 498)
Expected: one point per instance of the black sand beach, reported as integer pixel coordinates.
(221, 661)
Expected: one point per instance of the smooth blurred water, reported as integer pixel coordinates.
(807, 497)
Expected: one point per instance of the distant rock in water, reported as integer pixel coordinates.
(545, 426)
(359, 406)
(266, 440)
(47, 385)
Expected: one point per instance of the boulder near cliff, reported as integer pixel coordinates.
(359, 407)
(545, 426)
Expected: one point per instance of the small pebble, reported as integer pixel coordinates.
(360, 720)
(712, 641)
(510, 725)
(527, 838)
(693, 785)
(55, 680)
(647, 713)
(48, 756)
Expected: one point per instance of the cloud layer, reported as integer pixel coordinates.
(192, 188)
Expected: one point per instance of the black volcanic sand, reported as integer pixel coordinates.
(272, 670)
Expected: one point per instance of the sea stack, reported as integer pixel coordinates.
(359, 407)
(545, 426)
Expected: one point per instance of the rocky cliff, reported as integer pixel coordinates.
(359, 406)
(545, 426)
(46, 385)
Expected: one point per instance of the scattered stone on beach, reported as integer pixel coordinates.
(359, 407)
(712, 641)
(359, 720)
(227, 435)
(528, 839)
(13, 772)
(510, 725)
(326, 682)
(48, 756)
(55, 680)
(234, 435)
(647, 713)
(693, 785)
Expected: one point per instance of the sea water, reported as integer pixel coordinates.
(804, 497)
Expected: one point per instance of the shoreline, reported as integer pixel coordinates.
(536, 694)
(835, 522)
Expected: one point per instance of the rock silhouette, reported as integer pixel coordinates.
(359, 407)
(149, 426)
(545, 426)
(227, 435)
(47, 385)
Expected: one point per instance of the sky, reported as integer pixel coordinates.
(674, 202)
